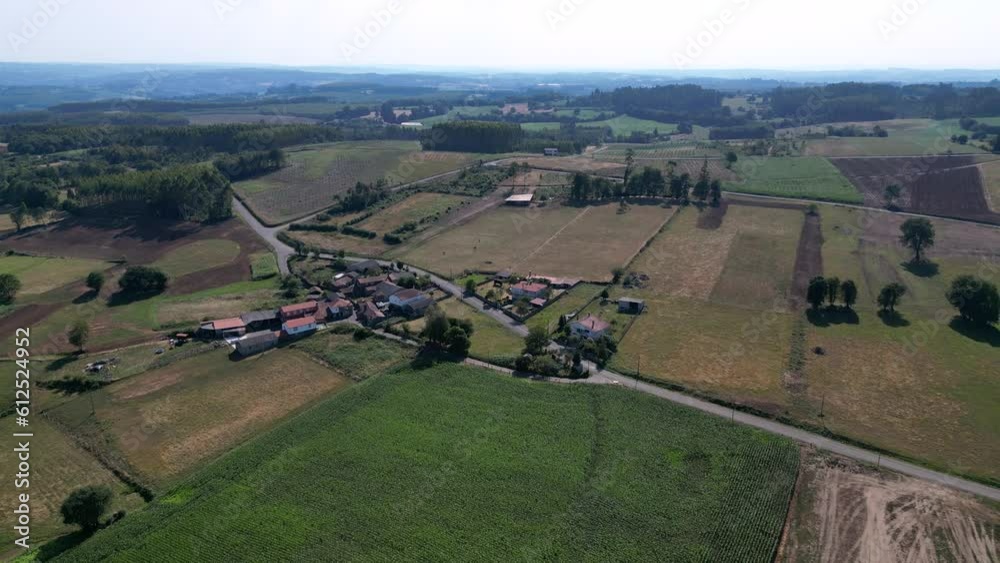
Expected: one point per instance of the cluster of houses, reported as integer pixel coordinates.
(362, 293)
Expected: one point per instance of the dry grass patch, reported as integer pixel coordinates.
(991, 181)
(172, 313)
(412, 209)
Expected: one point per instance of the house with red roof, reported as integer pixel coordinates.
(590, 327)
(529, 290)
(225, 328)
(299, 327)
(298, 311)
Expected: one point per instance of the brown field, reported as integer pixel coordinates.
(581, 242)
(575, 164)
(537, 179)
(991, 181)
(168, 421)
(949, 186)
(845, 511)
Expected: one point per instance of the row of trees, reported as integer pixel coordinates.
(831, 291)
(246, 165)
(650, 182)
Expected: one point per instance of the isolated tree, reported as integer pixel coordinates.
(976, 299)
(85, 506)
(892, 193)
(537, 341)
(78, 334)
(605, 294)
(95, 281)
(832, 290)
(142, 280)
(890, 297)
(704, 183)
(436, 329)
(849, 292)
(816, 294)
(715, 192)
(470, 286)
(629, 164)
(9, 286)
(457, 341)
(731, 159)
(918, 235)
(20, 216)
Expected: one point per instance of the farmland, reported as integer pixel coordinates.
(572, 164)
(563, 241)
(807, 177)
(950, 186)
(660, 151)
(991, 180)
(170, 420)
(317, 174)
(573, 301)
(626, 125)
(573, 472)
(40, 274)
(937, 372)
(198, 256)
(717, 297)
(907, 137)
(490, 339)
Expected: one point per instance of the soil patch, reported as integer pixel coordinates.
(712, 219)
(808, 259)
(28, 316)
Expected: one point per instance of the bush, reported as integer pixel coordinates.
(85, 507)
(9, 286)
(143, 280)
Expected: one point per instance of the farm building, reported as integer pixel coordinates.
(224, 328)
(365, 287)
(344, 282)
(384, 291)
(256, 343)
(260, 320)
(520, 200)
(298, 310)
(631, 306)
(364, 267)
(369, 315)
(413, 124)
(339, 309)
(411, 302)
(551, 152)
(590, 327)
(503, 276)
(529, 290)
(300, 326)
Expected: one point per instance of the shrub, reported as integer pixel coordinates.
(143, 280)
(85, 507)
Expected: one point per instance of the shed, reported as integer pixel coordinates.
(256, 343)
(520, 200)
(631, 306)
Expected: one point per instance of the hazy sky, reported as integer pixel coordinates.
(570, 34)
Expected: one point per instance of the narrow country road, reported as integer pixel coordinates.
(606, 377)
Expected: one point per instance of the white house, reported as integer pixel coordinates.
(590, 327)
(298, 327)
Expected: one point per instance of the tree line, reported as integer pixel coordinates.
(188, 192)
(473, 136)
(649, 182)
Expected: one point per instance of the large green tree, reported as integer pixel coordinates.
(9, 286)
(976, 299)
(849, 292)
(890, 296)
(918, 235)
(537, 341)
(84, 507)
(142, 280)
(816, 294)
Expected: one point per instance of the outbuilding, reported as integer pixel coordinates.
(630, 306)
(256, 343)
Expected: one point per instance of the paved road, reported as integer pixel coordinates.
(606, 377)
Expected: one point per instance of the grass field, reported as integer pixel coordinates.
(541, 126)
(563, 241)
(198, 256)
(264, 265)
(169, 421)
(659, 151)
(991, 182)
(806, 177)
(490, 340)
(572, 472)
(573, 301)
(359, 360)
(317, 174)
(717, 315)
(626, 125)
(907, 137)
(939, 375)
(39, 275)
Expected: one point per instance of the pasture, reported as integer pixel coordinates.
(794, 177)
(938, 373)
(907, 137)
(562, 241)
(198, 256)
(718, 318)
(39, 275)
(659, 151)
(950, 186)
(169, 421)
(625, 125)
(490, 340)
(572, 472)
(317, 174)
(991, 182)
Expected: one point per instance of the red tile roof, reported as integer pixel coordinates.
(299, 307)
(530, 287)
(594, 324)
(304, 321)
(228, 324)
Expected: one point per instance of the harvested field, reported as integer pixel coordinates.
(561, 241)
(421, 207)
(660, 151)
(808, 259)
(907, 137)
(574, 164)
(317, 174)
(198, 256)
(845, 511)
(712, 218)
(991, 181)
(168, 421)
(949, 186)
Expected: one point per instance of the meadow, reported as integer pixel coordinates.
(573, 472)
(42, 274)
(198, 256)
(794, 177)
(659, 151)
(907, 137)
(626, 125)
(562, 241)
(572, 302)
(318, 173)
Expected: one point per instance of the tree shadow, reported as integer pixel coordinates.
(985, 334)
(85, 298)
(60, 545)
(925, 269)
(62, 362)
(893, 319)
(122, 298)
(832, 316)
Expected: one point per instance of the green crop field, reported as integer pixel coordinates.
(263, 266)
(317, 174)
(907, 137)
(39, 275)
(490, 340)
(198, 256)
(805, 177)
(626, 125)
(475, 459)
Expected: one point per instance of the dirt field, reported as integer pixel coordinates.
(169, 421)
(537, 179)
(844, 511)
(575, 164)
(563, 241)
(946, 186)
(991, 181)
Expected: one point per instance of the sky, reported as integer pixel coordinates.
(509, 34)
